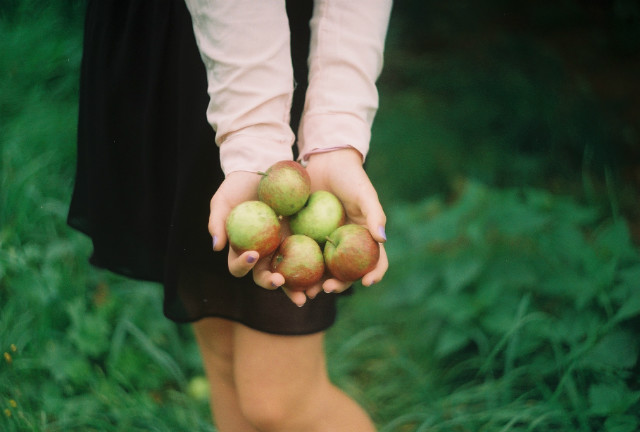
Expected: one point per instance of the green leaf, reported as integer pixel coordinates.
(615, 240)
(450, 340)
(573, 327)
(66, 365)
(611, 398)
(462, 271)
(630, 308)
(513, 218)
(618, 350)
(622, 423)
(89, 331)
(570, 285)
(566, 245)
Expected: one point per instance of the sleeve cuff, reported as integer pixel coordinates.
(252, 153)
(327, 132)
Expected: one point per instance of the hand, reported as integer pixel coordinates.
(238, 187)
(341, 173)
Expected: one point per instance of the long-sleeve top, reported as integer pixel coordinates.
(245, 46)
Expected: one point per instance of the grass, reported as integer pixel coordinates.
(507, 307)
(506, 316)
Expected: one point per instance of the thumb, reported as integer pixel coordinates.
(376, 220)
(217, 219)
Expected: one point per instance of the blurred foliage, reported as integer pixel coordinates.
(81, 350)
(512, 94)
(429, 23)
(512, 302)
(505, 309)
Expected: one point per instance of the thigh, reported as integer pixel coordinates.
(215, 341)
(282, 369)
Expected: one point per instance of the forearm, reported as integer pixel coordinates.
(245, 46)
(346, 58)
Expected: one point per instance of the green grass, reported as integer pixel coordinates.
(507, 307)
(507, 310)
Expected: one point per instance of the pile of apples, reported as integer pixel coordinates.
(305, 233)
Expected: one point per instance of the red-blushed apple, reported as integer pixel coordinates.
(351, 252)
(285, 187)
(322, 214)
(253, 226)
(299, 259)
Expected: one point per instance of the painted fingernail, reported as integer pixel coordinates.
(251, 259)
(382, 233)
(215, 241)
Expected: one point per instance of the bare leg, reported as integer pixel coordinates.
(263, 382)
(215, 339)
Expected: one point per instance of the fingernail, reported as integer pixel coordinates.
(275, 285)
(382, 233)
(251, 259)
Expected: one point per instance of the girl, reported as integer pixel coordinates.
(161, 84)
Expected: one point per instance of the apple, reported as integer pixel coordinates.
(321, 216)
(285, 187)
(253, 226)
(299, 259)
(351, 252)
(198, 388)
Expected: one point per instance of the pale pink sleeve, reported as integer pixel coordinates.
(345, 61)
(245, 46)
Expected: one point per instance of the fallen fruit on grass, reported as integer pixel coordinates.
(299, 259)
(198, 388)
(285, 187)
(253, 226)
(322, 214)
(350, 252)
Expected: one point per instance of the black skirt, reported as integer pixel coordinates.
(147, 165)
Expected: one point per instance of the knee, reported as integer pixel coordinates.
(273, 410)
(267, 417)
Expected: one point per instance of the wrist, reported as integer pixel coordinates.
(333, 155)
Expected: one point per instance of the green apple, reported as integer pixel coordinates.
(299, 259)
(351, 252)
(253, 226)
(285, 187)
(198, 388)
(321, 216)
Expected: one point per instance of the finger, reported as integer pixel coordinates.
(335, 285)
(363, 207)
(376, 275)
(299, 298)
(313, 291)
(263, 277)
(240, 265)
(376, 219)
(217, 219)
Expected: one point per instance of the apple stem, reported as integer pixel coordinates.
(330, 241)
(262, 173)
